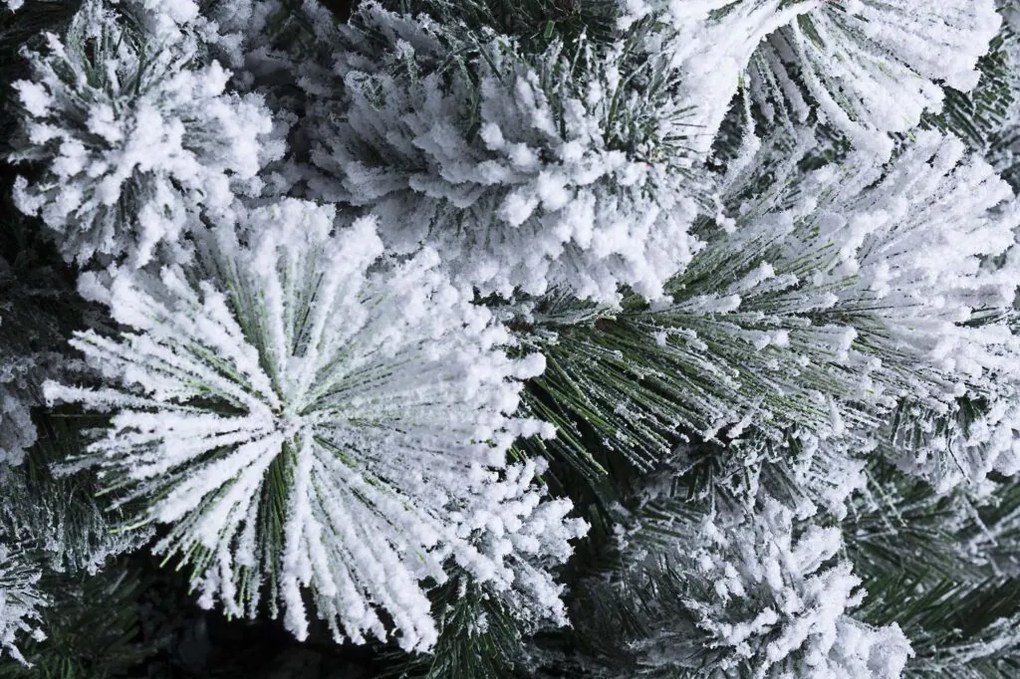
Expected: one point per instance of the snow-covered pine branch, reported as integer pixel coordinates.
(20, 601)
(303, 414)
(865, 67)
(778, 598)
(742, 591)
(131, 134)
(36, 317)
(709, 43)
(824, 304)
(872, 67)
(565, 168)
(699, 238)
(918, 261)
(17, 433)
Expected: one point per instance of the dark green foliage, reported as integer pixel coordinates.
(978, 116)
(931, 563)
(958, 629)
(535, 22)
(93, 629)
(38, 305)
(20, 30)
(59, 515)
(479, 638)
(618, 621)
(987, 117)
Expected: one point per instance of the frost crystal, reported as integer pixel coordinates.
(512, 524)
(303, 415)
(19, 602)
(520, 176)
(133, 135)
